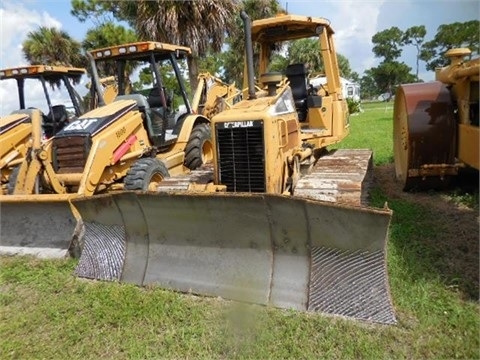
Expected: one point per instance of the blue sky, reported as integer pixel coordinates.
(354, 21)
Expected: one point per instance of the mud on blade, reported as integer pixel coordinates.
(39, 225)
(266, 249)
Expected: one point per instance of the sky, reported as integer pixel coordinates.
(354, 22)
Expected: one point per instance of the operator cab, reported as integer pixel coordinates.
(149, 73)
(56, 82)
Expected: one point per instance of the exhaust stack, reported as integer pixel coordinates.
(247, 26)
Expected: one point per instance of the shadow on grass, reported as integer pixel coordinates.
(436, 234)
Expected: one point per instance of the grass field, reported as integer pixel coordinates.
(47, 313)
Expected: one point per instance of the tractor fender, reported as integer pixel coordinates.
(185, 126)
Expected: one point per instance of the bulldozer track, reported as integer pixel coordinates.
(344, 176)
(202, 175)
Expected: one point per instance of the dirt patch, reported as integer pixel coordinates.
(457, 241)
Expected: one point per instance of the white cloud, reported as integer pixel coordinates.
(34, 95)
(355, 23)
(16, 21)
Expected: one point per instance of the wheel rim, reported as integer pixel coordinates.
(155, 182)
(207, 152)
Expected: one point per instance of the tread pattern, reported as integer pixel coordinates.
(139, 175)
(193, 150)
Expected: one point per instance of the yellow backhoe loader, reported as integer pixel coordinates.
(272, 221)
(29, 125)
(133, 143)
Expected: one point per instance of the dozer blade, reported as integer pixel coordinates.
(267, 249)
(39, 225)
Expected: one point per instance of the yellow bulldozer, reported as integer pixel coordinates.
(435, 129)
(276, 219)
(28, 126)
(133, 143)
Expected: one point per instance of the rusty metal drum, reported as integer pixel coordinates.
(424, 135)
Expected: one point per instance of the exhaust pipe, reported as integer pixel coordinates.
(249, 54)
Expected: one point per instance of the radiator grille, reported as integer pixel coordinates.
(241, 156)
(70, 153)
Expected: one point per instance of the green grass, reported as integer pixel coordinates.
(47, 313)
(371, 129)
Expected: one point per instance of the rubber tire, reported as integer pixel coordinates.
(12, 179)
(193, 151)
(43, 188)
(141, 173)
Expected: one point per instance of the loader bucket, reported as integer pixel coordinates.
(39, 225)
(266, 249)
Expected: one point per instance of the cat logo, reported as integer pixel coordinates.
(81, 124)
(238, 124)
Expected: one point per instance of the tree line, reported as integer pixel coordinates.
(214, 32)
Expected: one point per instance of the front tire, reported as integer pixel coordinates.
(199, 149)
(145, 175)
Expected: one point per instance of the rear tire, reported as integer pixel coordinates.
(145, 175)
(199, 149)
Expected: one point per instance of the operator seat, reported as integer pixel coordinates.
(297, 76)
(154, 98)
(55, 121)
(154, 124)
(157, 108)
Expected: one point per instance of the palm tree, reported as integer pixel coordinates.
(105, 35)
(306, 51)
(202, 25)
(51, 46)
(54, 47)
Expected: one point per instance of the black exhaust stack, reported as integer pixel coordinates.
(249, 54)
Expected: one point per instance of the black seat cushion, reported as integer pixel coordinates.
(297, 75)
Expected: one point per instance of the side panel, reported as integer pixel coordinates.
(195, 247)
(291, 246)
(468, 145)
(36, 225)
(348, 273)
